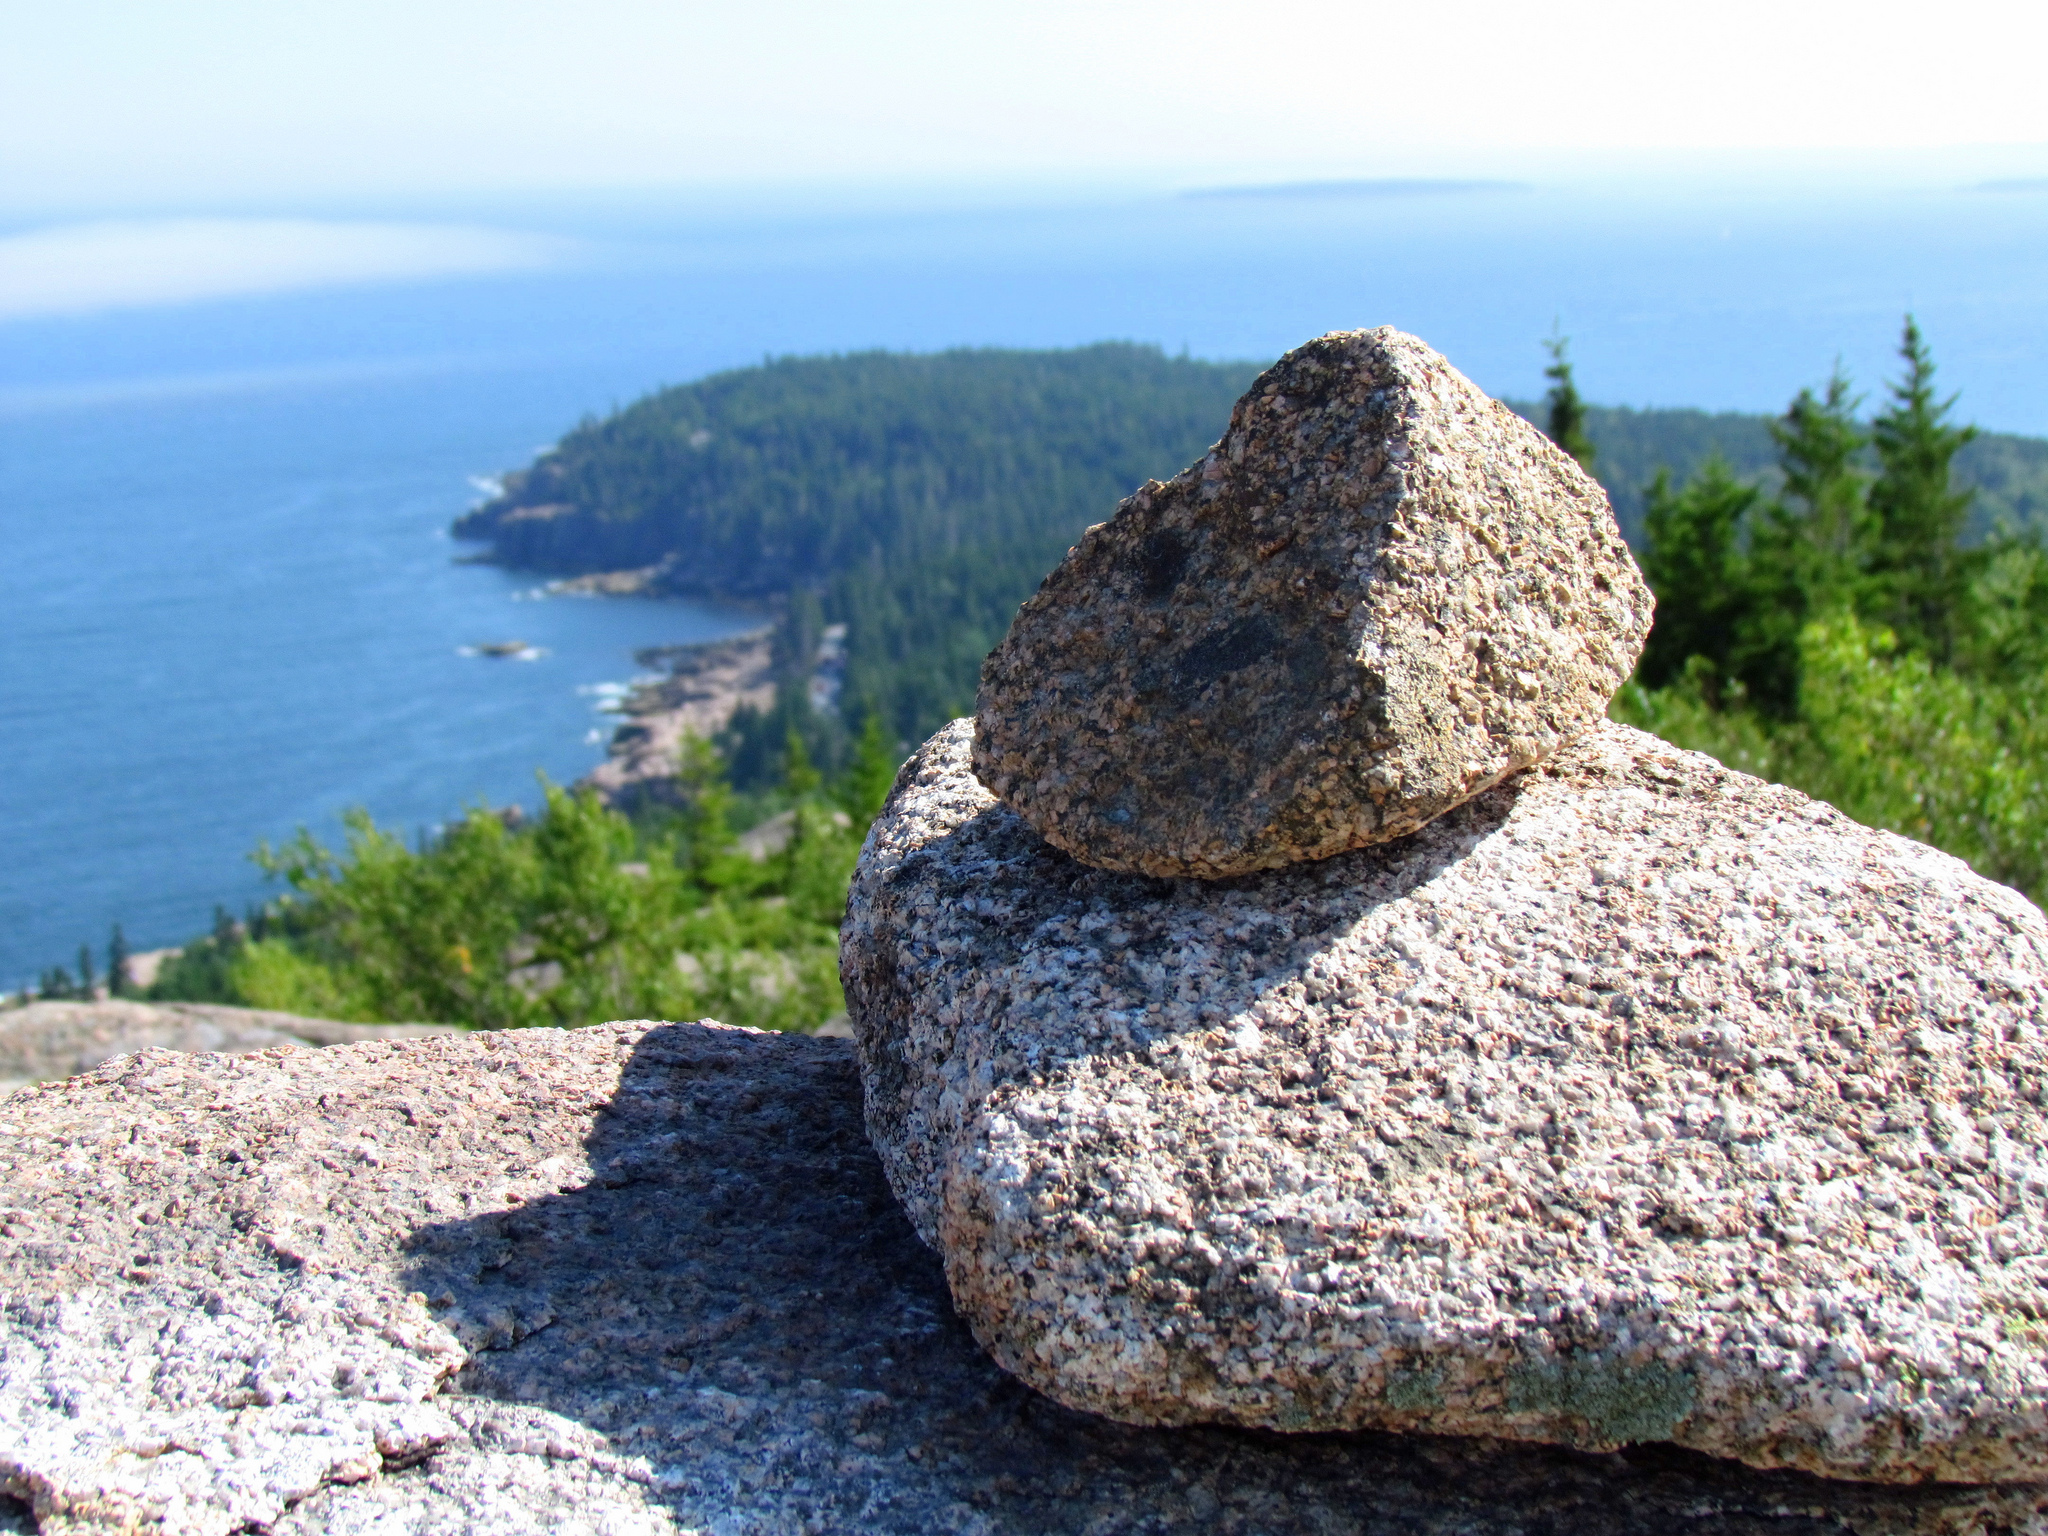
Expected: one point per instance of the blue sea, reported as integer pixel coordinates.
(232, 610)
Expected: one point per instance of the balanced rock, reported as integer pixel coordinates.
(1379, 594)
(1634, 1100)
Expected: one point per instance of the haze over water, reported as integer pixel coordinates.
(231, 607)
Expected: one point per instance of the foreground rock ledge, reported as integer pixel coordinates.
(1380, 593)
(674, 1294)
(1635, 1100)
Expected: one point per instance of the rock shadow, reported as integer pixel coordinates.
(735, 1300)
(1100, 957)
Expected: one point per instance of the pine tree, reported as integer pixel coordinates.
(1698, 568)
(1917, 512)
(120, 978)
(871, 774)
(88, 984)
(1805, 550)
(1823, 525)
(1567, 411)
(799, 776)
(794, 646)
(1738, 578)
(707, 810)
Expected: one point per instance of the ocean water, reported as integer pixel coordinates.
(231, 608)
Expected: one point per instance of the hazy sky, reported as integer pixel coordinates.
(112, 104)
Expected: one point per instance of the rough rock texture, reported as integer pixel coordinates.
(45, 1040)
(686, 1300)
(1634, 1100)
(1380, 593)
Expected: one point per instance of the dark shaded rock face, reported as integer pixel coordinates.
(637, 1278)
(1380, 593)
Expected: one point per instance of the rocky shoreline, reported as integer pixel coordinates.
(706, 684)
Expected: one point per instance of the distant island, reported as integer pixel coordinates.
(1384, 186)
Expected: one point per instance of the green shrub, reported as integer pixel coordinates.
(578, 917)
(1845, 639)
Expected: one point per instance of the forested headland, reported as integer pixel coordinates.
(1852, 599)
(917, 499)
(920, 499)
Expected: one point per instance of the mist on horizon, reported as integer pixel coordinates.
(229, 105)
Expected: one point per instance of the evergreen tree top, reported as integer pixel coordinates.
(1566, 410)
(1916, 448)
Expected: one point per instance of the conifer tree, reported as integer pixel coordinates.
(1697, 566)
(799, 776)
(120, 979)
(88, 984)
(1822, 527)
(794, 645)
(1567, 412)
(871, 774)
(1803, 553)
(1917, 513)
(710, 857)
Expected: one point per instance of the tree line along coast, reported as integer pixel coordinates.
(1850, 599)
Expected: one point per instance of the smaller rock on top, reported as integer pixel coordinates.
(1380, 594)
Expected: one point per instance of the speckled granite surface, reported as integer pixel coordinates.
(1634, 1100)
(55, 1039)
(1379, 593)
(677, 1295)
